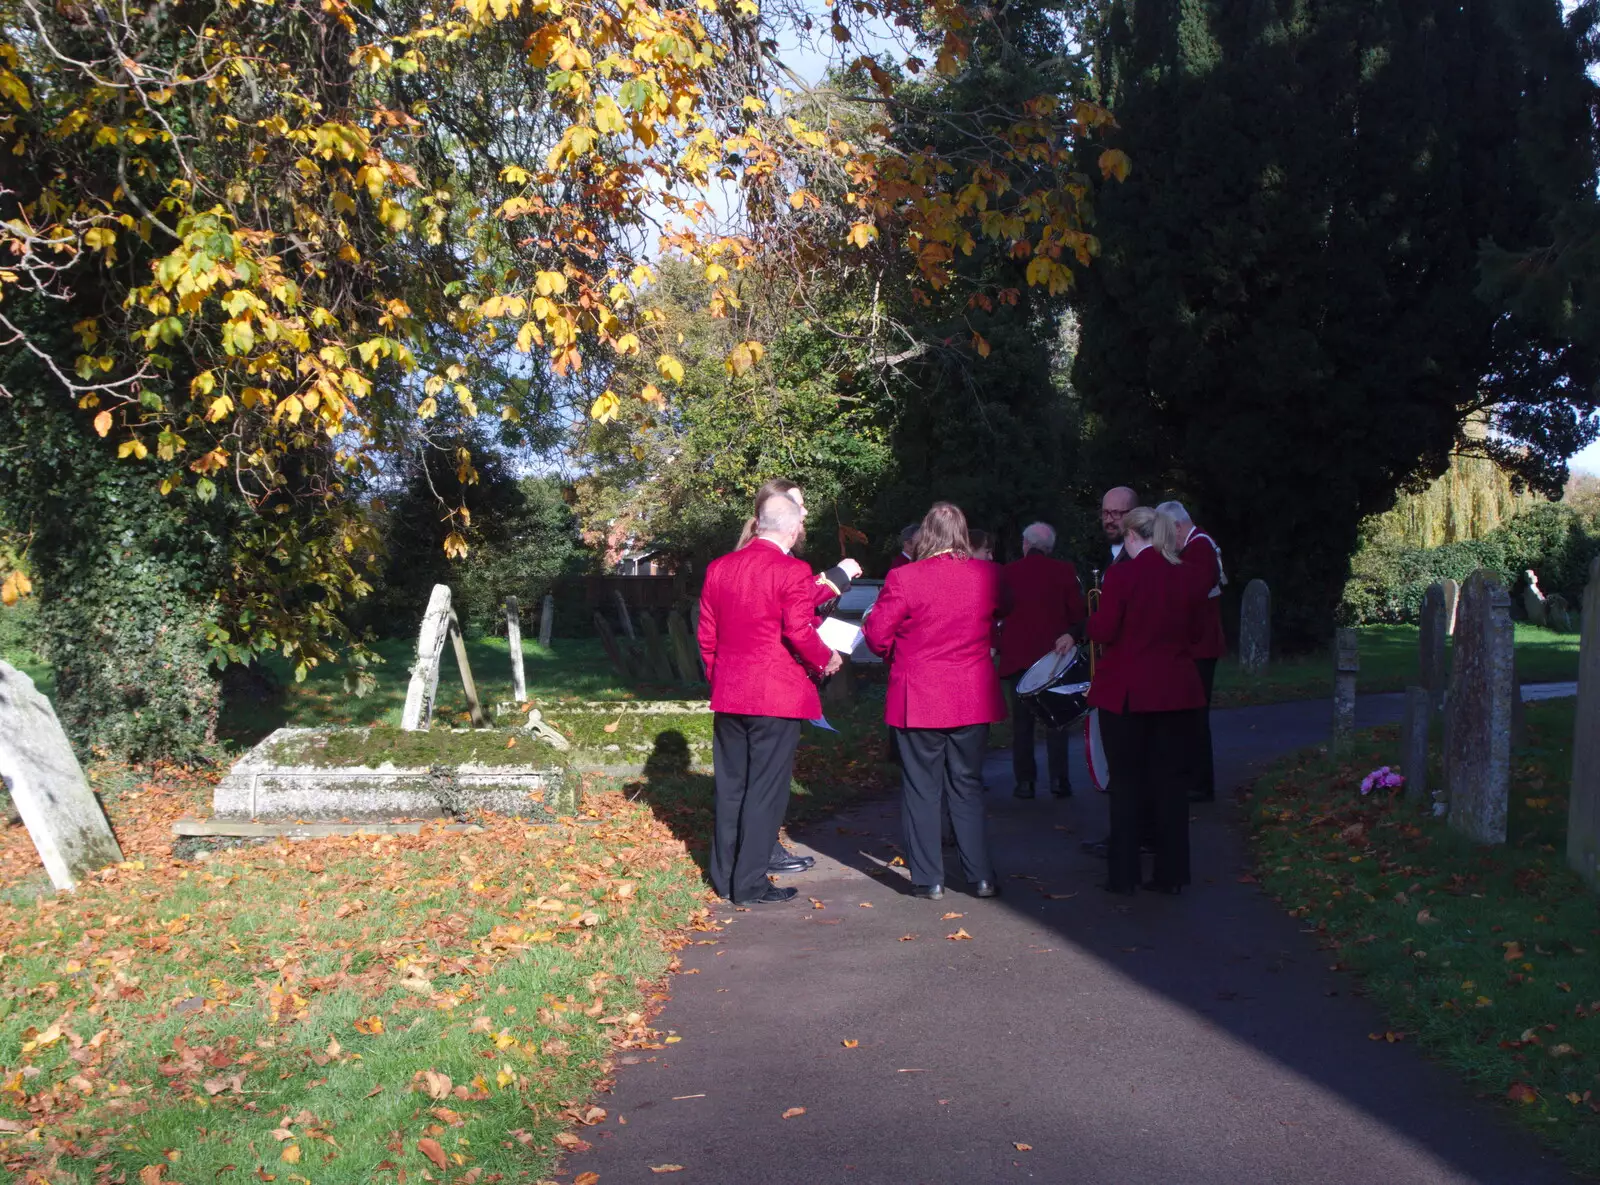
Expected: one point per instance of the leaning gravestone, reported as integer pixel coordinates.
(547, 620)
(655, 649)
(1583, 810)
(1255, 627)
(1452, 602)
(519, 682)
(439, 625)
(1533, 600)
(62, 815)
(1431, 645)
(1557, 613)
(624, 616)
(1477, 759)
(683, 648)
(1414, 742)
(613, 648)
(1347, 662)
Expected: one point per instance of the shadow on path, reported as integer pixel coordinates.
(1076, 1037)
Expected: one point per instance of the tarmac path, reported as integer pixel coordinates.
(1076, 1038)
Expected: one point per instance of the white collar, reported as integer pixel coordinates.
(774, 543)
(1116, 550)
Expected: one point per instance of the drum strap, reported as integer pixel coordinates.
(1222, 576)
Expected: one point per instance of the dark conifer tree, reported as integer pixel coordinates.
(1284, 326)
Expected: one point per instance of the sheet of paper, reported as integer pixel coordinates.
(839, 634)
(822, 723)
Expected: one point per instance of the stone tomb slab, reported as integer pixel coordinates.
(375, 774)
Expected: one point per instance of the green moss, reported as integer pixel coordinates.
(587, 730)
(373, 747)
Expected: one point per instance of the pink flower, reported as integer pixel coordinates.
(1382, 778)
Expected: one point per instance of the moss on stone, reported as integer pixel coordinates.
(375, 747)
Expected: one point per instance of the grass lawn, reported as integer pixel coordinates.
(327, 1011)
(1489, 958)
(1388, 663)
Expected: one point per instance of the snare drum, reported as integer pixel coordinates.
(1094, 752)
(1057, 687)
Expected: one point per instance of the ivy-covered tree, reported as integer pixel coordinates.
(1283, 325)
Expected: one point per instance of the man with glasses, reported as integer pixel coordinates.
(1117, 502)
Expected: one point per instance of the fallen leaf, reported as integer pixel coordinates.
(572, 1143)
(866, 905)
(1513, 951)
(436, 1085)
(948, 916)
(908, 938)
(290, 1154)
(586, 1179)
(612, 727)
(850, 1043)
(793, 1111)
(666, 1168)
(369, 1025)
(1521, 1092)
(815, 904)
(1022, 1147)
(151, 1174)
(430, 1148)
(960, 936)
(374, 1092)
(1561, 1050)
(1425, 917)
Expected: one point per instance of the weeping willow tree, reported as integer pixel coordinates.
(1471, 498)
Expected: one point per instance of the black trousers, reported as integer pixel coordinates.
(936, 763)
(1024, 765)
(1148, 752)
(1204, 774)
(753, 759)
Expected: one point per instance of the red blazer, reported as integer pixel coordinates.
(1045, 603)
(934, 620)
(1147, 610)
(757, 610)
(901, 559)
(1201, 555)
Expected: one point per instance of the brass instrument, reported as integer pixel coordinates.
(1092, 600)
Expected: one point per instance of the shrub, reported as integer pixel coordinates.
(1555, 541)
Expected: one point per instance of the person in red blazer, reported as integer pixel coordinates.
(932, 623)
(1046, 602)
(828, 587)
(1202, 556)
(1147, 690)
(908, 544)
(759, 642)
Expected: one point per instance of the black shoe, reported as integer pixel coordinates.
(1120, 892)
(986, 889)
(928, 892)
(1095, 847)
(1023, 790)
(1158, 887)
(1062, 790)
(791, 864)
(772, 896)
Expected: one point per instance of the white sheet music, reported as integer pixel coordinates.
(839, 634)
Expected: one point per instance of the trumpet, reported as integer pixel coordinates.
(1092, 599)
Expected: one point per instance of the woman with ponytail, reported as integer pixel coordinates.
(1148, 690)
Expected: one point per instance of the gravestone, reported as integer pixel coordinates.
(608, 638)
(1557, 613)
(519, 683)
(623, 616)
(61, 813)
(655, 649)
(1255, 628)
(547, 620)
(683, 648)
(1477, 759)
(1414, 742)
(1583, 809)
(1347, 662)
(1431, 633)
(438, 624)
(1452, 601)
(1533, 599)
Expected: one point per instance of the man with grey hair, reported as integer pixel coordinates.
(1203, 558)
(1046, 602)
(761, 650)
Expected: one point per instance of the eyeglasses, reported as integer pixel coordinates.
(1109, 512)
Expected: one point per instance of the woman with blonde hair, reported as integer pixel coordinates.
(1147, 690)
(934, 619)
